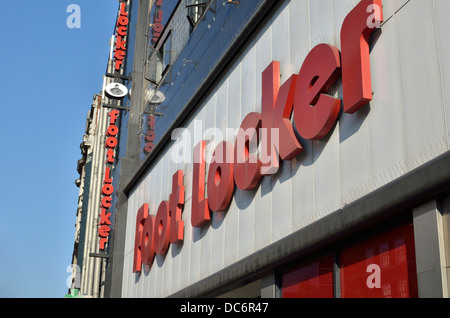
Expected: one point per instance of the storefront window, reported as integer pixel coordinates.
(166, 50)
(160, 14)
(314, 280)
(154, 66)
(196, 8)
(382, 267)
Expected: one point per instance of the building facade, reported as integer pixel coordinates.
(99, 167)
(87, 271)
(284, 149)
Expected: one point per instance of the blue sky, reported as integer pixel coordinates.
(49, 76)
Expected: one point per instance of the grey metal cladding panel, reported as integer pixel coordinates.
(395, 197)
(424, 120)
(442, 25)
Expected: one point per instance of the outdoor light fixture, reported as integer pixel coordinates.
(116, 90)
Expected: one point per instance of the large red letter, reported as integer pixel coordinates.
(108, 178)
(161, 230)
(246, 165)
(220, 177)
(176, 203)
(276, 112)
(113, 114)
(200, 211)
(315, 112)
(142, 214)
(355, 32)
(147, 241)
(122, 9)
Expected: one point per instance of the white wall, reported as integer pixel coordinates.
(407, 124)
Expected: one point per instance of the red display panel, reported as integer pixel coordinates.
(382, 267)
(314, 280)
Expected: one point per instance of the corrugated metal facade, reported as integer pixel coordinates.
(406, 125)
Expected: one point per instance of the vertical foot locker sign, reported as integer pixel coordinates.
(108, 189)
(122, 31)
(113, 130)
(314, 114)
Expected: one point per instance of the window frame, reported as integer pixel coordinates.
(204, 5)
(163, 51)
